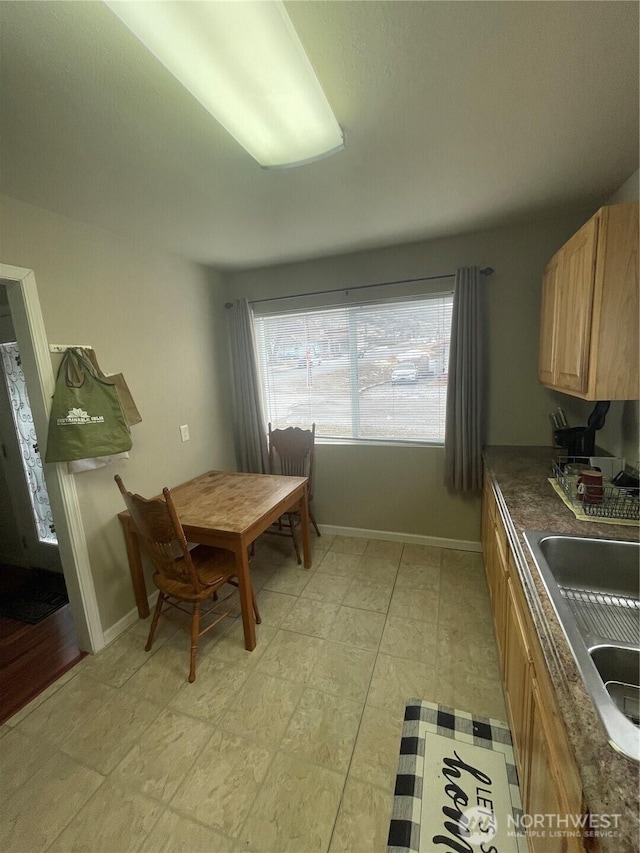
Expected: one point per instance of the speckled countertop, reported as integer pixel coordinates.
(610, 780)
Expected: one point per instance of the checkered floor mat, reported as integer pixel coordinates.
(457, 785)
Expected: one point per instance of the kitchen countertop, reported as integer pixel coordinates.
(609, 779)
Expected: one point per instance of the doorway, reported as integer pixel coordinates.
(19, 294)
(28, 536)
(38, 642)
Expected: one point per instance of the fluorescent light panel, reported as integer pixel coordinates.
(246, 65)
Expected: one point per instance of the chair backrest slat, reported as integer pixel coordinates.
(291, 452)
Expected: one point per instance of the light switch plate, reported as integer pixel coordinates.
(184, 432)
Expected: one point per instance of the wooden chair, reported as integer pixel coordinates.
(291, 452)
(182, 575)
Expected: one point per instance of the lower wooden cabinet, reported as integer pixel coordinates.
(543, 795)
(549, 780)
(496, 567)
(517, 682)
(546, 792)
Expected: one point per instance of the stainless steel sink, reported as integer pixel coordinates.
(602, 565)
(593, 585)
(618, 668)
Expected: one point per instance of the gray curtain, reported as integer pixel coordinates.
(248, 421)
(463, 431)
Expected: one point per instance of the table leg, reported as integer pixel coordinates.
(304, 524)
(135, 567)
(246, 600)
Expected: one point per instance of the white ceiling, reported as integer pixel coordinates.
(457, 115)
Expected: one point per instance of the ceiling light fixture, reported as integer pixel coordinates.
(244, 62)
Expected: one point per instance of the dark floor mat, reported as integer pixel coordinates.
(41, 594)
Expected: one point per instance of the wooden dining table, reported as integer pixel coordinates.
(227, 510)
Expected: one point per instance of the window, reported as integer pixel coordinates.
(369, 371)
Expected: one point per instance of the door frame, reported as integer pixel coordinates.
(28, 322)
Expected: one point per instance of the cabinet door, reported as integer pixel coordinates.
(545, 792)
(615, 345)
(546, 372)
(542, 796)
(517, 682)
(495, 555)
(500, 579)
(574, 309)
(486, 525)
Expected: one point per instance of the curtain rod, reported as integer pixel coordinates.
(486, 271)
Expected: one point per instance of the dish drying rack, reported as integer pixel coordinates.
(616, 502)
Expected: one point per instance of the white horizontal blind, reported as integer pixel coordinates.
(369, 371)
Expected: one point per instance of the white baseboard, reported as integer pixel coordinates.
(127, 621)
(412, 538)
(121, 625)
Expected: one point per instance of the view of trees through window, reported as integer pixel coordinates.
(375, 371)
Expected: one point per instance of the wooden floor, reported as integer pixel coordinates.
(33, 656)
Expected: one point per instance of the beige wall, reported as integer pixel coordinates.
(400, 489)
(154, 317)
(629, 191)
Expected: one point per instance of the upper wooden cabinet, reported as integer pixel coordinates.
(589, 339)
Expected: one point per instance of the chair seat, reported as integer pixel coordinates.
(214, 567)
(206, 558)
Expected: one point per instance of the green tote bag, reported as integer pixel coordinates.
(87, 419)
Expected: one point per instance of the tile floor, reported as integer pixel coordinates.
(292, 747)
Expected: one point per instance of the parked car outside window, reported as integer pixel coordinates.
(405, 372)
